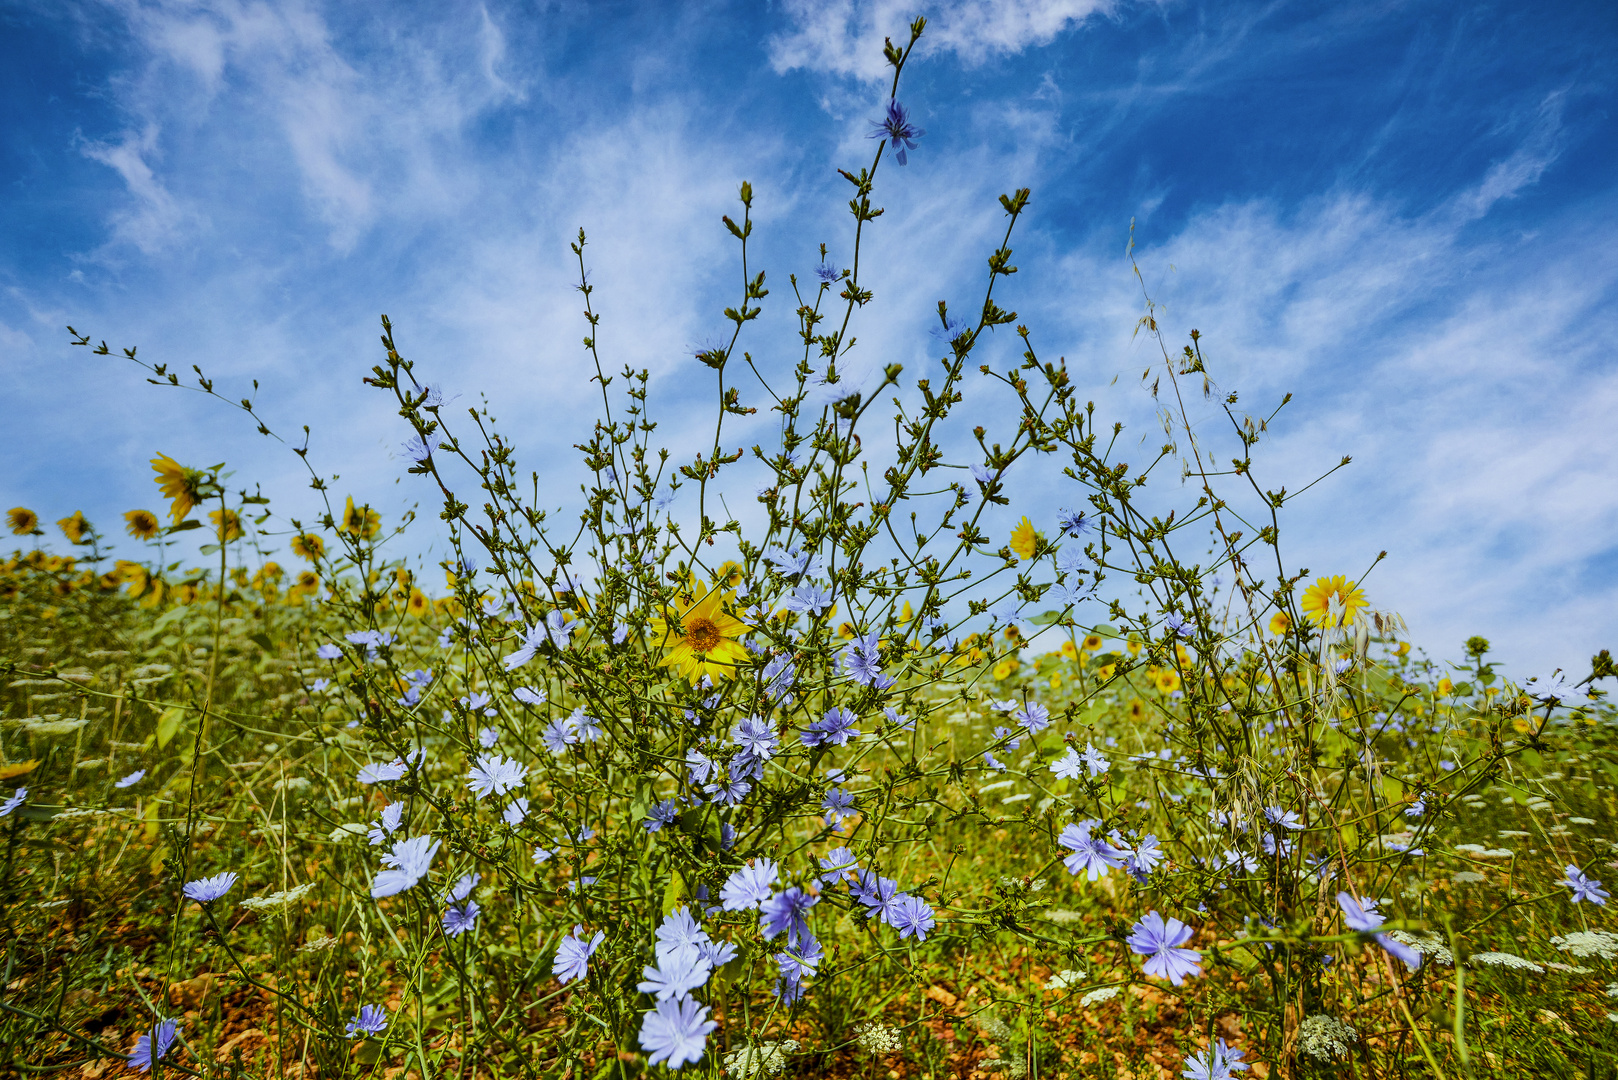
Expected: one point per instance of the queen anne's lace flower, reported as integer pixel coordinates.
(278, 900)
(765, 1059)
(1326, 1038)
(1584, 943)
(876, 1038)
(1506, 960)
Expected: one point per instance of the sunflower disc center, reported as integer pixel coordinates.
(702, 635)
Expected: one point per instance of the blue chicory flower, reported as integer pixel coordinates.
(787, 911)
(458, 920)
(573, 955)
(1159, 940)
(370, 1020)
(154, 1045)
(207, 890)
(675, 1033)
(1584, 887)
(405, 865)
(898, 130)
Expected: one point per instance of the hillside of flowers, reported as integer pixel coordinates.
(856, 782)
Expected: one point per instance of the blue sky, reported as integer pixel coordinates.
(1404, 214)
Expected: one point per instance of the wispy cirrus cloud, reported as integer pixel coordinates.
(370, 135)
(153, 218)
(835, 36)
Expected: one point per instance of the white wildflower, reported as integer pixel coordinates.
(1065, 980)
(1467, 877)
(276, 901)
(1326, 1038)
(1479, 849)
(994, 1029)
(875, 1038)
(1096, 997)
(1507, 960)
(1428, 944)
(1589, 943)
(765, 1059)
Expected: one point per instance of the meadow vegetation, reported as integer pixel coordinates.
(852, 782)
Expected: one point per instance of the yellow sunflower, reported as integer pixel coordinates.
(141, 524)
(1024, 540)
(1280, 623)
(1137, 709)
(1004, 668)
(227, 524)
(1167, 682)
(74, 527)
(308, 546)
(1092, 642)
(418, 604)
(180, 485)
(729, 575)
(134, 574)
(701, 636)
(308, 582)
(22, 520)
(906, 613)
(1070, 650)
(1317, 600)
(360, 520)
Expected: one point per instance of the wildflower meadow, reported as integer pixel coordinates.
(785, 759)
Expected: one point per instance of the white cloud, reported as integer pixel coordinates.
(369, 133)
(837, 36)
(1523, 166)
(154, 219)
(1470, 382)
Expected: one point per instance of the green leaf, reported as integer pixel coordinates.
(673, 893)
(168, 725)
(262, 640)
(186, 526)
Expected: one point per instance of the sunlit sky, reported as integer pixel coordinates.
(1405, 214)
